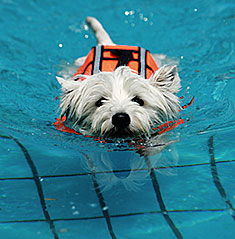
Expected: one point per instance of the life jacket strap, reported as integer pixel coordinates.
(142, 62)
(97, 59)
(108, 58)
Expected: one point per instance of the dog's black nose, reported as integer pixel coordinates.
(121, 120)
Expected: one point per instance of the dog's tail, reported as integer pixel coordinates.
(102, 36)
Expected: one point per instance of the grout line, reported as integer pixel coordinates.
(164, 211)
(216, 178)
(102, 203)
(214, 210)
(114, 171)
(36, 179)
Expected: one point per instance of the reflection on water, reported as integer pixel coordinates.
(128, 167)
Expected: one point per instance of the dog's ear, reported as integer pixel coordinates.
(67, 85)
(166, 78)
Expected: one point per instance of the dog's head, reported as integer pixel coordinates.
(120, 104)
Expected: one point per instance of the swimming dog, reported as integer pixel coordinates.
(119, 91)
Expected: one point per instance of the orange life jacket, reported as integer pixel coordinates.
(108, 58)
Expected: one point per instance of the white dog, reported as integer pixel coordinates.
(119, 91)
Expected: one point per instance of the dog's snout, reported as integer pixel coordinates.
(121, 120)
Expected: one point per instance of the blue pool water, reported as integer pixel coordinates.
(58, 185)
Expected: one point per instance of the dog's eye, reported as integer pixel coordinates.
(99, 102)
(138, 101)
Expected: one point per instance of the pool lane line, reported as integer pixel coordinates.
(216, 178)
(102, 203)
(38, 184)
(164, 211)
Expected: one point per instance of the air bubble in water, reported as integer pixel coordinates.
(105, 208)
(76, 213)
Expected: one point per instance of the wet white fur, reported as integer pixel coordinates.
(118, 88)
